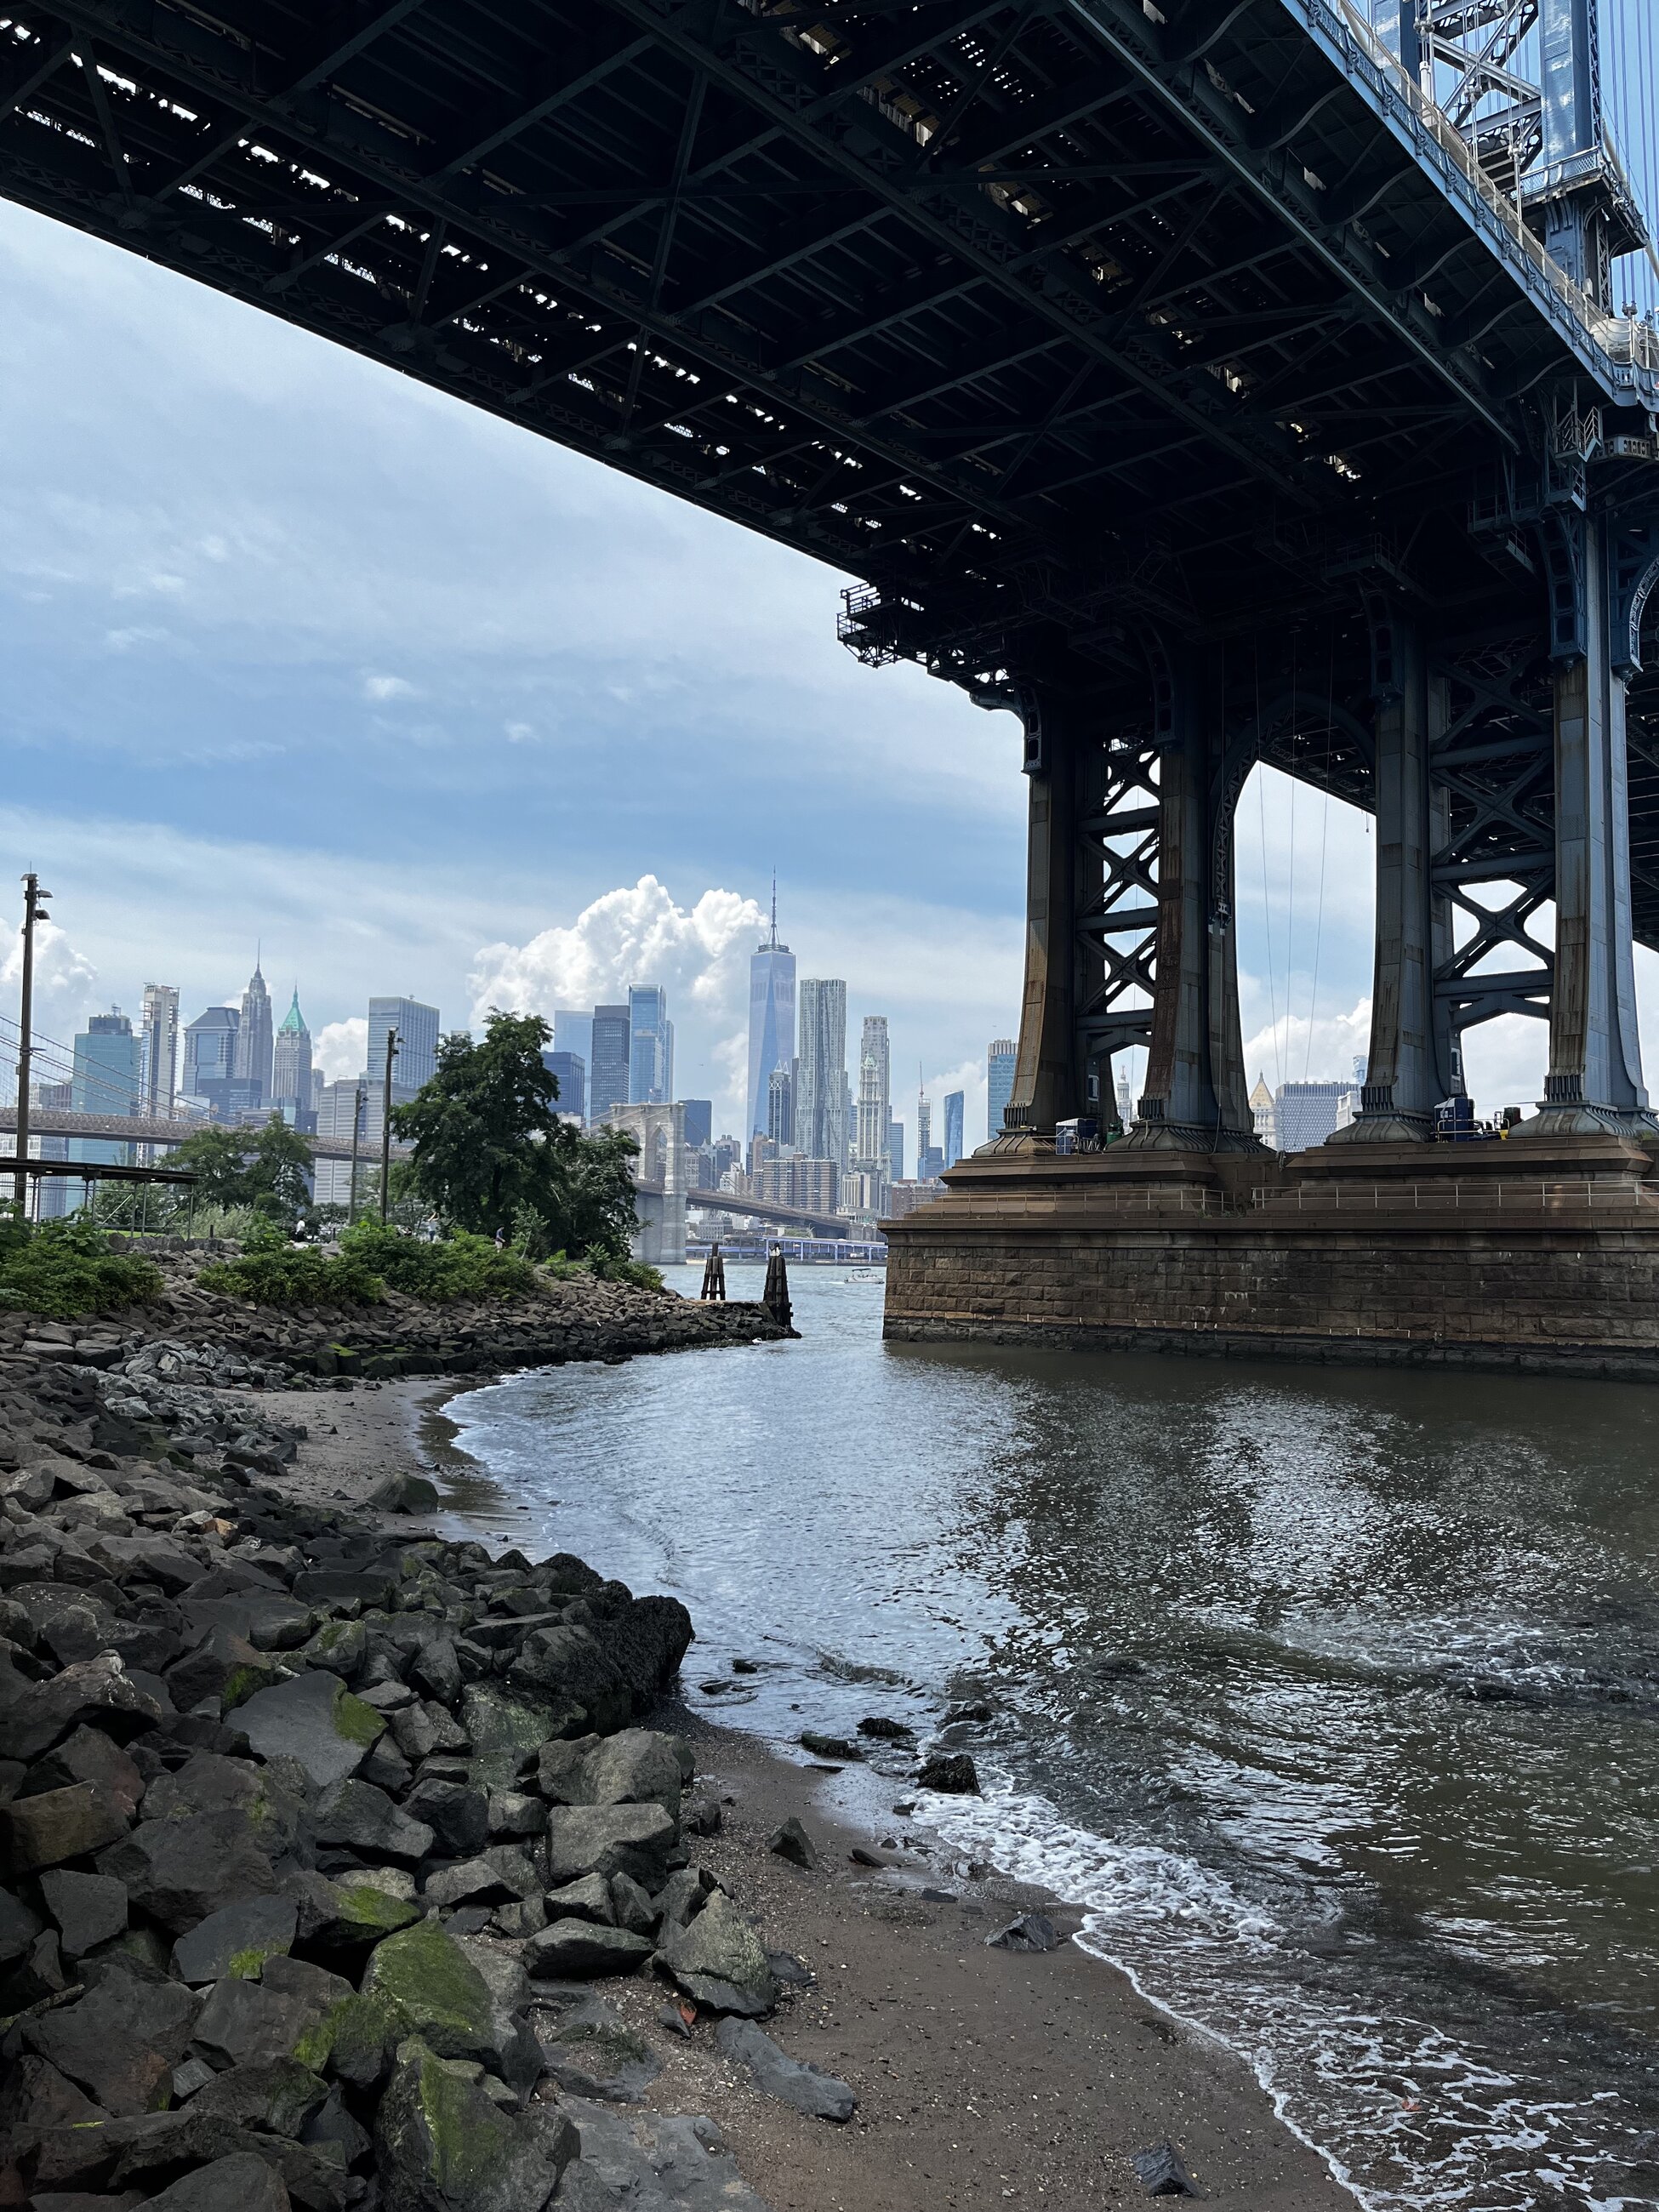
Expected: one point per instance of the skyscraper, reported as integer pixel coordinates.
(821, 1118)
(875, 1094)
(105, 1081)
(158, 1057)
(607, 1069)
(210, 1057)
(290, 1065)
(999, 1081)
(650, 1046)
(771, 1016)
(954, 1105)
(254, 1040)
(338, 1108)
(573, 1032)
(699, 1122)
(569, 1071)
(416, 1061)
(781, 1106)
(871, 1147)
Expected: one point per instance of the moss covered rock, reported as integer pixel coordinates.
(441, 2145)
(437, 1989)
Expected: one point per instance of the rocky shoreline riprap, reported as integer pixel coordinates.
(183, 1376)
(317, 1840)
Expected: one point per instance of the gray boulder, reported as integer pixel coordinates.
(258, 2023)
(952, 1773)
(237, 1940)
(632, 1906)
(637, 1767)
(463, 1997)
(179, 1871)
(590, 1899)
(500, 1875)
(566, 1670)
(365, 1820)
(683, 1895)
(456, 1813)
(88, 1908)
(1032, 1931)
(94, 1691)
(58, 1825)
(720, 1960)
(314, 1719)
(577, 1950)
(562, 1770)
(240, 2183)
(818, 2095)
(120, 2042)
(656, 2163)
(793, 1843)
(607, 1839)
(278, 2097)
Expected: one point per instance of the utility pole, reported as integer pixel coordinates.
(360, 1101)
(385, 1125)
(33, 911)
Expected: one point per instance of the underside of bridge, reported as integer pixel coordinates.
(1207, 382)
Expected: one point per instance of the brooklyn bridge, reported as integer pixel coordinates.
(1206, 383)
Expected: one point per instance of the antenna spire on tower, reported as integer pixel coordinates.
(775, 910)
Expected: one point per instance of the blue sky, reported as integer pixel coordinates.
(301, 651)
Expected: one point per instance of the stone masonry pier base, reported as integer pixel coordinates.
(1533, 1257)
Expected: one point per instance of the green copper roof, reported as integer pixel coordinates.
(293, 1020)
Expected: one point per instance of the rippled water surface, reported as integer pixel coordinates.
(1333, 1696)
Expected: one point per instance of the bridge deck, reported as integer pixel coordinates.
(1046, 320)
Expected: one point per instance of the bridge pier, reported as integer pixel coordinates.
(1489, 760)
(1594, 1080)
(1409, 1068)
(1195, 1098)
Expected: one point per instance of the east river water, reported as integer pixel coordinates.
(1333, 1696)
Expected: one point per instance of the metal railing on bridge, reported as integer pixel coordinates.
(1498, 1196)
(1627, 343)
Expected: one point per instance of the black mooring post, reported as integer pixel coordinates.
(714, 1272)
(776, 1296)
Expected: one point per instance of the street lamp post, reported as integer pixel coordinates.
(385, 1125)
(34, 910)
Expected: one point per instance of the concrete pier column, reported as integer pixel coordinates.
(1195, 1098)
(1594, 1080)
(1046, 1080)
(1406, 1073)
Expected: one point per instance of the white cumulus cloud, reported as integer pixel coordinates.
(640, 934)
(64, 982)
(387, 687)
(341, 1048)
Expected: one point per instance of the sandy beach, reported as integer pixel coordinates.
(984, 2077)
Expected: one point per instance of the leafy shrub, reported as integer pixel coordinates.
(639, 1273)
(459, 1265)
(62, 1269)
(272, 1272)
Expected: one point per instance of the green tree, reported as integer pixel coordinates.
(490, 1151)
(217, 1159)
(277, 1171)
(234, 1167)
